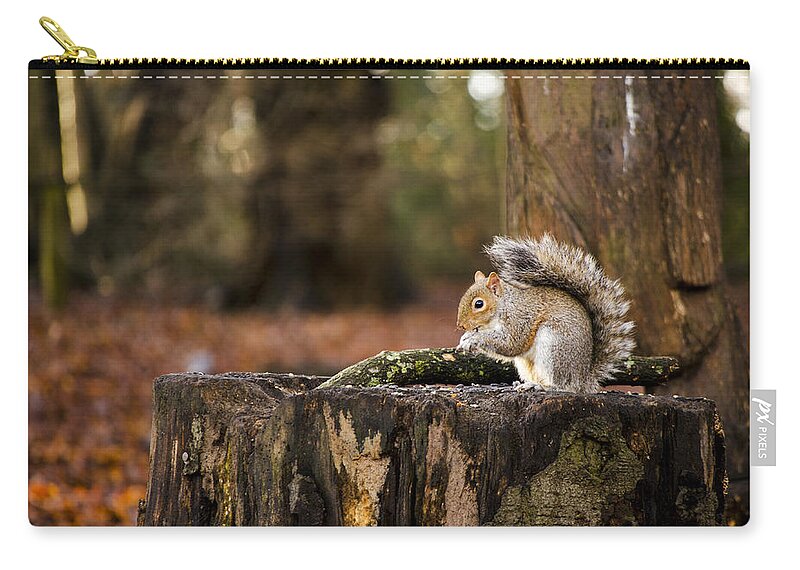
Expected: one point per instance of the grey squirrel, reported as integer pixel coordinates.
(552, 310)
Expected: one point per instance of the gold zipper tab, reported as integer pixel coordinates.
(72, 52)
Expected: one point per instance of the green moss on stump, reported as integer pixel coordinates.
(591, 482)
(453, 366)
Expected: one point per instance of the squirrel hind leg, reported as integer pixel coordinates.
(571, 367)
(535, 367)
(560, 359)
(528, 374)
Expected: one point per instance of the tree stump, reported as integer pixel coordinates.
(270, 449)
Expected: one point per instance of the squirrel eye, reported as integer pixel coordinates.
(478, 304)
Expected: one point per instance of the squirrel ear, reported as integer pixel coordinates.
(479, 276)
(494, 284)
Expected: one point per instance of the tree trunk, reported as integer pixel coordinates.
(267, 449)
(50, 245)
(318, 207)
(629, 169)
(237, 192)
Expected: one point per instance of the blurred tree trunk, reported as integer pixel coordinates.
(238, 192)
(46, 194)
(318, 207)
(630, 170)
(137, 169)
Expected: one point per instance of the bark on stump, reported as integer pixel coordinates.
(269, 449)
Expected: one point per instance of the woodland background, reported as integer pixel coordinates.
(290, 225)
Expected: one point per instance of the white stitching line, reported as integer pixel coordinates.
(336, 77)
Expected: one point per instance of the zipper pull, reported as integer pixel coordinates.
(72, 52)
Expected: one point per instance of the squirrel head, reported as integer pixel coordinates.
(479, 304)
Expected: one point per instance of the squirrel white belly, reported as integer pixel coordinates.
(551, 309)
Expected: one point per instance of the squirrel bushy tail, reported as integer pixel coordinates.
(547, 262)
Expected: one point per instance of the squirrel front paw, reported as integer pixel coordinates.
(520, 386)
(468, 342)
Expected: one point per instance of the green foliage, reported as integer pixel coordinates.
(735, 150)
(444, 153)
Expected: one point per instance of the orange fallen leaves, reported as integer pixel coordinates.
(90, 378)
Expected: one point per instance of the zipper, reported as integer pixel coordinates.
(72, 52)
(80, 57)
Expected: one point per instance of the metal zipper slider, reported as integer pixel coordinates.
(72, 52)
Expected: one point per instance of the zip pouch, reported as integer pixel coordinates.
(457, 292)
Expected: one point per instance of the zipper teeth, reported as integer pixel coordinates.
(440, 63)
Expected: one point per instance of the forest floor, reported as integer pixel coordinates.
(92, 365)
(91, 368)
